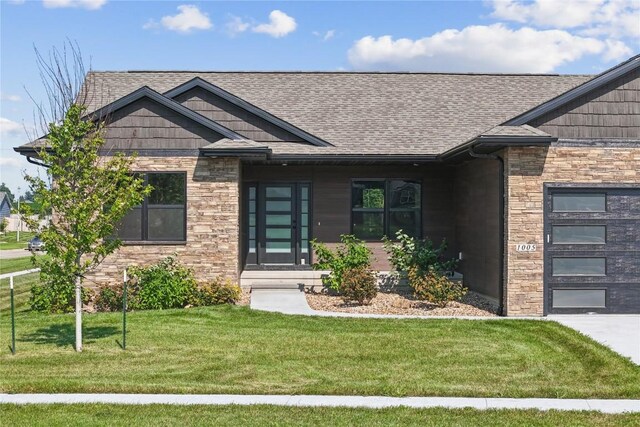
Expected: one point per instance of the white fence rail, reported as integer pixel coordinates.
(10, 276)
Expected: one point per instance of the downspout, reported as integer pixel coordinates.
(501, 197)
(30, 160)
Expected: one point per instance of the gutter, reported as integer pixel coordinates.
(501, 229)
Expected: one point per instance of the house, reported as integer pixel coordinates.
(533, 180)
(5, 206)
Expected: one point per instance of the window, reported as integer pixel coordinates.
(161, 216)
(579, 266)
(380, 208)
(579, 202)
(579, 234)
(579, 298)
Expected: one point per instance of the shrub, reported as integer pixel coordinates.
(359, 284)
(109, 298)
(434, 287)
(353, 253)
(3, 225)
(407, 252)
(55, 295)
(219, 291)
(164, 285)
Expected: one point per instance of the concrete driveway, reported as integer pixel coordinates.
(621, 333)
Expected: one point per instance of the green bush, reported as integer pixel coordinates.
(108, 298)
(164, 285)
(55, 295)
(217, 292)
(3, 225)
(360, 285)
(352, 253)
(407, 252)
(434, 287)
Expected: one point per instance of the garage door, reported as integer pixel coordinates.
(592, 250)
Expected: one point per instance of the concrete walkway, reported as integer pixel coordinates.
(601, 405)
(621, 333)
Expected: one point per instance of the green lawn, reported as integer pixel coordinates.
(8, 240)
(236, 350)
(152, 415)
(22, 292)
(16, 264)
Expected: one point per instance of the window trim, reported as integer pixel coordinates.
(386, 210)
(144, 219)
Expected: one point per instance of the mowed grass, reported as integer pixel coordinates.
(22, 292)
(16, 264)
(237, 350)
(9, 240)
(262, 415)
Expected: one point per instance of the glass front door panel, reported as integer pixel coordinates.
(279, 224)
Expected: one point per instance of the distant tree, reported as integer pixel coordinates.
(4, 188)
(88, 196)
(27, 197)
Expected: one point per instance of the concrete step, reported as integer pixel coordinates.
(275, 286)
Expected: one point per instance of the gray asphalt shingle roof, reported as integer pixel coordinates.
(366, 113)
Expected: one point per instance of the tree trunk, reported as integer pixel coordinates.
(78, 313)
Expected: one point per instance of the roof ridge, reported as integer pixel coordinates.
(417, 73)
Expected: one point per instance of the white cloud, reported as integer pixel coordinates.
(10, 162)
(84, 4)
(235, 25)
(609, 18)
(150, 24)
(190, 18)
(9, 127)
(493, 48)
(280, 24)
(325, 36)
(8, 97)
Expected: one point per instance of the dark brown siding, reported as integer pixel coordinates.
(146, 124)
(612, 111)
(477, 224)
(233, 117)
(332, 197)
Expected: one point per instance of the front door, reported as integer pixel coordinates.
(279, 223)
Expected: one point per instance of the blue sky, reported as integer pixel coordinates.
(569, 36)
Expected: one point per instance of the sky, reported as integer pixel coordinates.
(508, 36)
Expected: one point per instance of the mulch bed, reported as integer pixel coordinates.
(402, 302)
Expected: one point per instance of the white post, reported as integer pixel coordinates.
(78, 314)
(10, 282)
(19, 218)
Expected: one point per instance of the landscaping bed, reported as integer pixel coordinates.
(402, 302)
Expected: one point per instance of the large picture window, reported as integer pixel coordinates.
(382, 207)
(161, 216)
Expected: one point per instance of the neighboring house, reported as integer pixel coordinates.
(534, 180)
(5, 206)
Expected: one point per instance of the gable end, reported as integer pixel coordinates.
(243, 109)
(611, 111)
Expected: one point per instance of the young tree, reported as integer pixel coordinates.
(87, 192)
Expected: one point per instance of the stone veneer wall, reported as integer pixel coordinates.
(526, 170)
(213, 203)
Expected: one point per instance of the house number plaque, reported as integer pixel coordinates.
(526, 247)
